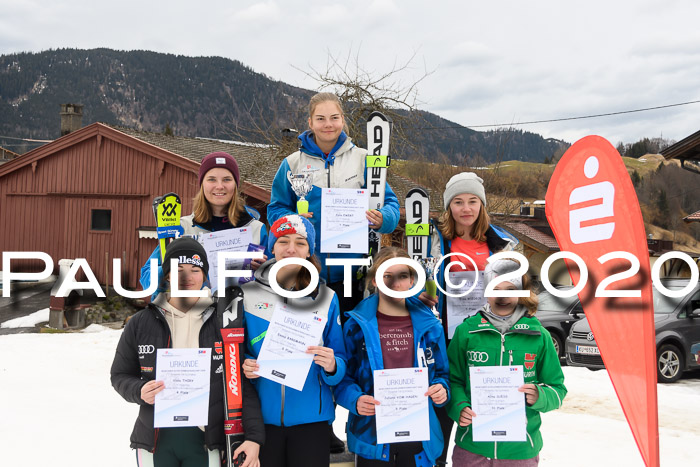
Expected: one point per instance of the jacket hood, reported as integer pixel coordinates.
(309, 146)
(421, 316)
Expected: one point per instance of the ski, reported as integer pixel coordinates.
(417, 222)
(417, 235)
(378, 160)
(230, 309)
(167, 210)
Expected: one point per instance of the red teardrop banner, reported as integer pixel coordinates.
(593, 210)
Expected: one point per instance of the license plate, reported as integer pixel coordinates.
(587, 349)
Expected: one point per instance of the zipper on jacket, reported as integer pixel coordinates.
(510, 358)
(328, 173)
(320, 394)
(530, 438)
(503, 348)
(282, 413)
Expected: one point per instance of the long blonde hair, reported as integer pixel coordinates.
(203, 213)
(532, 301)
(448, 226)
(327, 97)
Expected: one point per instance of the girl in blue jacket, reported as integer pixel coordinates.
(332, 160)
(384, 332)
(296, 422)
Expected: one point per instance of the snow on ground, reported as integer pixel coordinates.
(29, 321)
(58, 408)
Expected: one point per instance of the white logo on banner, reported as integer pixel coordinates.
(604, 191)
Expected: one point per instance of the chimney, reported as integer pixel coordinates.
(71, 118)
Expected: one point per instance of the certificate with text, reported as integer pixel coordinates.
(461, 308)
(497, 403)
(402, 414)
(344, 225)
(283, 356)
(185, 399)
(228, 240)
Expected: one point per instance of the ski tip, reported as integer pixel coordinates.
(417, 190)
(377, 114)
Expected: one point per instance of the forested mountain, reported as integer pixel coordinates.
(203, 96)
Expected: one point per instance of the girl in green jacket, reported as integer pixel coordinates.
(504, 332)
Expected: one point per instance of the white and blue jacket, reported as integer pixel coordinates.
(344, 167)
(281, 405)
(365, 355)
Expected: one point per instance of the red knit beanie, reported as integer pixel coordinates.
(218, 159)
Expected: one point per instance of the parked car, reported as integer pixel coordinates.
(677, 322)
(557, 315)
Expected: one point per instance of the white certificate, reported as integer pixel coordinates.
(185, 399)
(344, 225)
(497, 403)
(402, 414)
(283, 358)
(225, 241)
(461, 308)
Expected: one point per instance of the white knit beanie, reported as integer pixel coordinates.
(465, 182)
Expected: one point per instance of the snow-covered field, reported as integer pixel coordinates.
(57, 408)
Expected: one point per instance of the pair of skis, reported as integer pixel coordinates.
(417, 201)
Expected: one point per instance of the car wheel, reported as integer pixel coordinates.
(669, 363)
(558, 344)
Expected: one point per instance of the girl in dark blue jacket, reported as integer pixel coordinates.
(383, 332)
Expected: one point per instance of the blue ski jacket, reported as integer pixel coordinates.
(281, 405)
(344, 167)
(365, 355)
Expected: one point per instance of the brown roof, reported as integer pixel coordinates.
(694, 217)
(532, 237)
(687, 148)
(258, 163)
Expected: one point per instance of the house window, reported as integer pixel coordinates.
(101, 220)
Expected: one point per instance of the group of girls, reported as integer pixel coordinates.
(287, 427)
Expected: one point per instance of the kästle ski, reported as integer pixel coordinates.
(378, 160)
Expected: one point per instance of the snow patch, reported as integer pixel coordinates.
(95, 328)
(29, 321)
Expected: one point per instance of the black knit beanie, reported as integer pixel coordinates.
(186, 250)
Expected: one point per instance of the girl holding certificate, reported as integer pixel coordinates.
(384, 332)
(464, 228)
(180, 322)
(504, 332)
(296, 421)
(331, 160)
(217, 206)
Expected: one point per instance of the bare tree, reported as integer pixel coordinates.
(362, 91)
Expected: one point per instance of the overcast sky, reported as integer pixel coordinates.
(499, 61)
